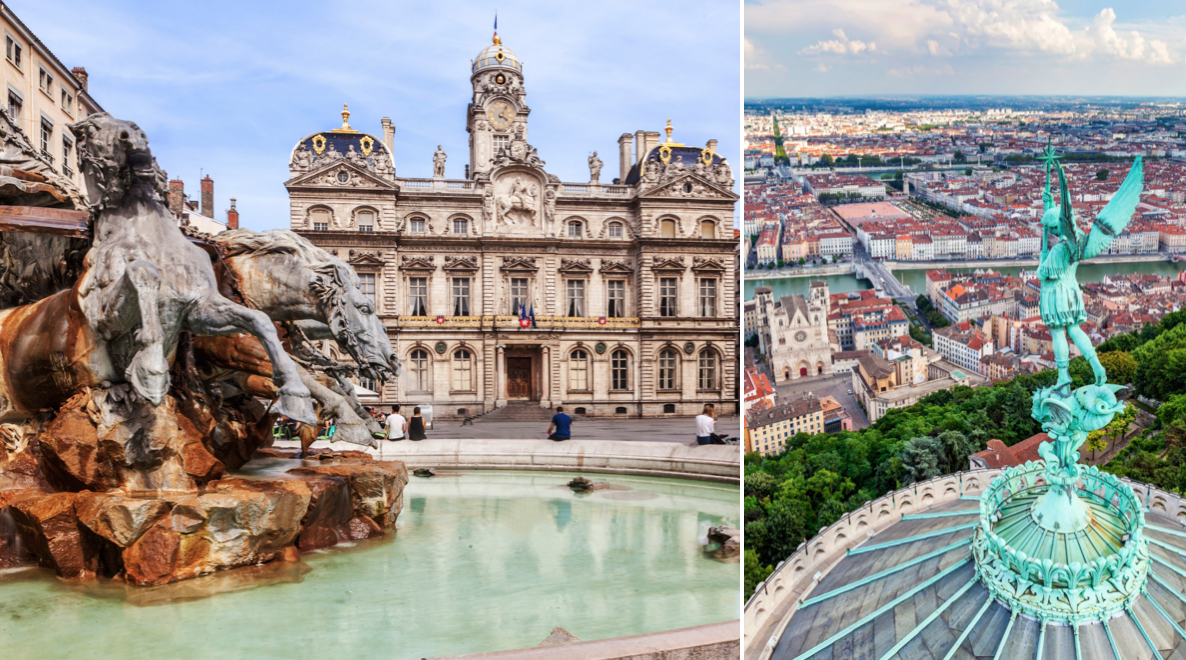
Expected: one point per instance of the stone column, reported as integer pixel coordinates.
(545, 353)
(500, 377)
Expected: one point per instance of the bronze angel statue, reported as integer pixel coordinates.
(1061, 301)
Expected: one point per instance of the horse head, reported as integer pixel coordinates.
(353, 322)
(322, 288)
(114, 157)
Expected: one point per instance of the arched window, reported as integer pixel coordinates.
(366, 220)
(667, 229)
(419, 368)
(707, 376)
(614, 230)
(463, 370)
(578, 370)
(667, 365)
(620, 370)
(574, 229)
(708, 229)
(319, 219)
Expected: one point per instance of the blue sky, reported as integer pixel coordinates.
(799, 48)
(229, 87)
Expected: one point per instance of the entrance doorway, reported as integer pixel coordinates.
(802, 371)
(519, 378)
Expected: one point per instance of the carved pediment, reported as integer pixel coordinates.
(576, 266)
(668, 263)
(364, 258)
(701, 264)
(616, 266)
(689, 186)
(456, 263)
(416, 262)
(519, 264)
(331, 175)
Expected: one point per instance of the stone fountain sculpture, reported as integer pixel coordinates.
(1057, 541)
(128, 395)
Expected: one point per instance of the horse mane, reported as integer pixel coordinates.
(246, 242)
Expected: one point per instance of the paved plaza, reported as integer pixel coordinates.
(821, 386)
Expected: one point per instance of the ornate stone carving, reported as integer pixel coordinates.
(722, 174)
(356, 157)
(549, 207)
(302, 160)
(576, 266)
(519, 263)
(489, 207)
(594, 168)
(342, 177)
(617, 266)
(417, 262)
(519, 205)
(381, 164)
(668, 263)
(519, 152)
(707, 263)
(330, 155)
(650, 172)
(455, 262)
(438, 163)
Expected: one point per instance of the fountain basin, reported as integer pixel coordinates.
(481, 561)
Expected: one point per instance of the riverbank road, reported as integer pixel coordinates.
(836, 386)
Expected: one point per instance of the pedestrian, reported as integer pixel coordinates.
(705, 425)
(416, 426)
(397, 425)
(561, 428)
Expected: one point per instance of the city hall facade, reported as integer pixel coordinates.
(632, 284)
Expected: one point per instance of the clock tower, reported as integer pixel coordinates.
(498, 111)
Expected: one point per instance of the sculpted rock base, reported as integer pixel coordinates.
(110, 439)
(230, 523)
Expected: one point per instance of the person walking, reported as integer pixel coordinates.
(416, 426)
(397, 425)
(561, 427)
(706, 425)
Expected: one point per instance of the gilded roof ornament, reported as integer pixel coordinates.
(345, 121)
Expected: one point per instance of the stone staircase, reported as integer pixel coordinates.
(518, 411)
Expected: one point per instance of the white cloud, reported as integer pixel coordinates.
(820, 68)
(1132, 46)
(840, 46)
(934, 48)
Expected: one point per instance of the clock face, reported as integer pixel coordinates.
(800, 336)
(500, 114)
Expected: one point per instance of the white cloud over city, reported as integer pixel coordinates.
(853, 47)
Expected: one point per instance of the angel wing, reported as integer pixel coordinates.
(1066, 219)
(1117, 214)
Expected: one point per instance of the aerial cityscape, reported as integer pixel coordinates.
(964, 295)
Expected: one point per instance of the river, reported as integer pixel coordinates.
(917, 279)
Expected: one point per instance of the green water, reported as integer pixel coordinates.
(917, 279)
(482, 561)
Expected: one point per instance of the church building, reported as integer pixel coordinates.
(510, 286)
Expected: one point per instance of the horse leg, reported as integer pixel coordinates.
(218, 316)
(351, 427)
(131, 302)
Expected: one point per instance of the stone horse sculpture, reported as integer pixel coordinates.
(289, 279)
(145, 282)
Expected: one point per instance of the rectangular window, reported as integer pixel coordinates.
(667, 370)
(12, 50)
(667, 295)
(708, 297)
(47, 131)
(576, 298)
(615, 230)
(460, 226)
(366, 221)
(418, 296)
(619, 370)
(615, 293)
(320, 226)
(46, 80)
(14, 106)
(67, 101)
(416, 226)
(518, 294)
(366, 284)
(460, 296)
(501, 142)
(578, 370)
